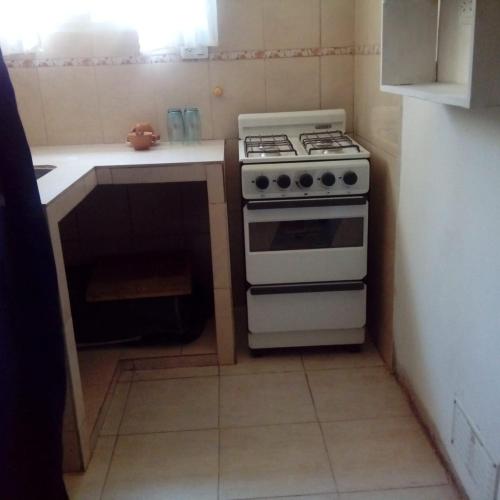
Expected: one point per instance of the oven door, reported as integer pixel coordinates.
(306, 240)
(306, 307)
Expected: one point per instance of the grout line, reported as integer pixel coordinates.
(367, 419)
(320, 59)
(344, 368)
(320, 81)
(99, 103)
(172, 378)
(379, 490)
(320, 25)
(116, 437)
(410, 487)
(42, 105)
(298, 496)
(225, 428)
(219, 449)
(176, 378)
(322, 433)
(260, 373)
(210, 99)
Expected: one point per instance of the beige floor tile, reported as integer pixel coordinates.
(181, 372)
(342, 357)
(113, 418)
(126, 376)
(205, 344)
(326, 496)
(171, 466)
(267, 362)
(429, 493)
(381, 453)
(269, 398)
(171, 405)
(357, 393)
(150, 352)
(97, 366)
(88, 486)
(273, 461)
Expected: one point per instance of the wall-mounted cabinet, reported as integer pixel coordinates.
(446, 51)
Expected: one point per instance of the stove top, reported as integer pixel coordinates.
(325, 143)
(296, 137)
(265, 146)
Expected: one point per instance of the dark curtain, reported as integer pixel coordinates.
(32, 366)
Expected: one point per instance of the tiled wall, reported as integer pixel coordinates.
(377, 125)
(85, 90)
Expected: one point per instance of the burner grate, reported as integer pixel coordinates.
(326, 142)
(268, 145)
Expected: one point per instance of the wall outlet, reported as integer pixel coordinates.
(475, 460)
(466, 12)
(189, 53)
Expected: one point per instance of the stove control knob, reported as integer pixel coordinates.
(350, 178)
(328, 179)
(306, 180)
(262, 182)
(283, 181)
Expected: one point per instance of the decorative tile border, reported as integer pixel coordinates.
(367, 50)
(32, 61)
(237, 55)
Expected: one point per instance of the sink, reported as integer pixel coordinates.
(41, 170)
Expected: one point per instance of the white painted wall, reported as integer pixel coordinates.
(447, 304)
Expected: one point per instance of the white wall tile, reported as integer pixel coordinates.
(337, 23)
(291, 23)
(244, 88)
(115, 43)
(368, 15)
(126, 96)
(180, 84)
(377, 114)
(292, 84)
(241, 24)
(337, 85)
(67, 44)
(70, 104)
(29, 104)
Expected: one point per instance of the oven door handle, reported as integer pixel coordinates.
(307, 288)
(309, 202)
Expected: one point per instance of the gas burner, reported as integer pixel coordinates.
(268, 145)
(333, 141)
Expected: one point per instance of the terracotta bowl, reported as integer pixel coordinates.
(142, 141)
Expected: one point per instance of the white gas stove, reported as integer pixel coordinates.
(306, 228)
(300, 154)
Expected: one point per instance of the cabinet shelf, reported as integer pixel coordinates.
(445, 51)
(455, 94)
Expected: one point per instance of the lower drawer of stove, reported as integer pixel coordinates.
(306, 307)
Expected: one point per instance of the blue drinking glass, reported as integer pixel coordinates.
(192, 123)
(175, 125)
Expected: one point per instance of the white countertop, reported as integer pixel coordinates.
(74, 162)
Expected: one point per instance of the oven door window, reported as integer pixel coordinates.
(277, 236)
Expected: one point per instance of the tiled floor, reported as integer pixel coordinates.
(328, 425)
(98, 366)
